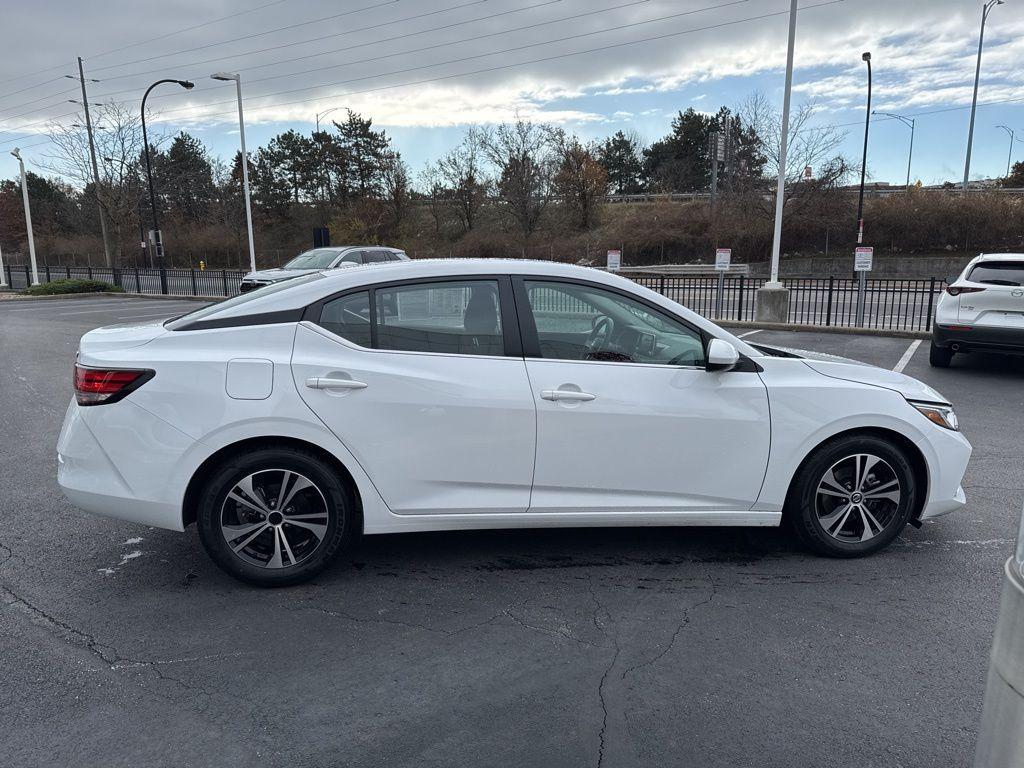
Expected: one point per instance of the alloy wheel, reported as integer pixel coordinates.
(274, 518)
(857, 498)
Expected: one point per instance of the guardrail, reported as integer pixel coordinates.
(904, 305)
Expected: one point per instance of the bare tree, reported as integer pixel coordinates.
(117, 134)
(395, 186)
(525, 156)
(581, 181)
(463, 172)
(809, 145)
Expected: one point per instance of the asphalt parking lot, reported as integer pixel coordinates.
(122, 645)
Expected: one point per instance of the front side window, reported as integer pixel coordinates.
(352, 257)
(457, 317)
(349, 317)
(318, 258)
(581, 322)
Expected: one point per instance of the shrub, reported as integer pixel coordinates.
(69, 286)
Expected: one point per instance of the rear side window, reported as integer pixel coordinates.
(458, 317)
(375, 257)
(998, 273)
(349, 317)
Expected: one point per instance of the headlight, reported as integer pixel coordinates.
(940, 414)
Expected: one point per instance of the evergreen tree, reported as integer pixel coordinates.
(622, 158)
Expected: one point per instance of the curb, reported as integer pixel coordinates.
(842, 329)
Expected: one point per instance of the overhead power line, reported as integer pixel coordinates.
(346, 32)
(541, 59)
(149, 40)
(250, 36)
(446, 44)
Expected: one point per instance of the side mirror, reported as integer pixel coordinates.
(722, 356)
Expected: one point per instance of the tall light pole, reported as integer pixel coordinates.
(1009, 157)
(910, 123)
(158, 244)
(773, 298)
(866, 57)
(92, 156)
(225, 76)
(28, 217)
(985, 10)
(3, 275)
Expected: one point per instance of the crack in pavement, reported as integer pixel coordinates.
(599, 608)
(679, 628)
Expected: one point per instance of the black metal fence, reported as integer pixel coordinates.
(906, 305)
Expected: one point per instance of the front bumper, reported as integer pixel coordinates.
(946, 454)
(979, 338)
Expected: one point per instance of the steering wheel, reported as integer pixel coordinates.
(600, 333)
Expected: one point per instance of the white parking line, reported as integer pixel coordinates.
(749, 333)
(907, 355)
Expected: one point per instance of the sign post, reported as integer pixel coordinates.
(862, 258)
(614, 263)
(723, 257)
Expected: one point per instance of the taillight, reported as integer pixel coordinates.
(956, 290)
(95, 386)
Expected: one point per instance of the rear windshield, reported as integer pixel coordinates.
(282, 285)
(998, 273)
(318, 258)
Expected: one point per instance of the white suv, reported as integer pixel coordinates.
(982, 310)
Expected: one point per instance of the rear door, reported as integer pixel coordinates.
(424, 382)
(998, 298)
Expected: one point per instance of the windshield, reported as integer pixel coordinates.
(318, 258)
(283, 285)
(998, 273)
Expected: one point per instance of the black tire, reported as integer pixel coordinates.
(315, 543)
(940, 357)
(810, 510)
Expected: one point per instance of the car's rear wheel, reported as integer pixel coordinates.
(940, 357)
(275, 517)
(852, 497)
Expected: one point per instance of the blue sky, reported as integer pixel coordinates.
(710, 53)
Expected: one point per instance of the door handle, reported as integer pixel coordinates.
(567, 394)
(325, 382)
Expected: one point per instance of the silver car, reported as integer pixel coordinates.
(319, 259)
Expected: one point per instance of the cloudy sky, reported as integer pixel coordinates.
(424, 69)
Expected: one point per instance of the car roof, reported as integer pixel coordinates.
(997, 257)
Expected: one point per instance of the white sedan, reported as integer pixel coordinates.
(468, 394)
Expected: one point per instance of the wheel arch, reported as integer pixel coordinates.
(913, 452)
(203, 472)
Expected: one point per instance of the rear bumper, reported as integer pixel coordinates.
(979, 338)
(122, 462)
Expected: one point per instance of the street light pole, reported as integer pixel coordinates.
(911, 124)
(245, 161)
(773, 298)
(985, 10)
(158, 245)
(866, 57)
(324, 114)
(28, 217)
(1009, 156)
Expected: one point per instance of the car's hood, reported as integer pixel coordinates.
(853, 370)
(276, 274)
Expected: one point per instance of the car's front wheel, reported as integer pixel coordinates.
(852, 497)
(275, 517)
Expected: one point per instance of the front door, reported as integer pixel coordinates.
(414, 379)
(628, 419)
